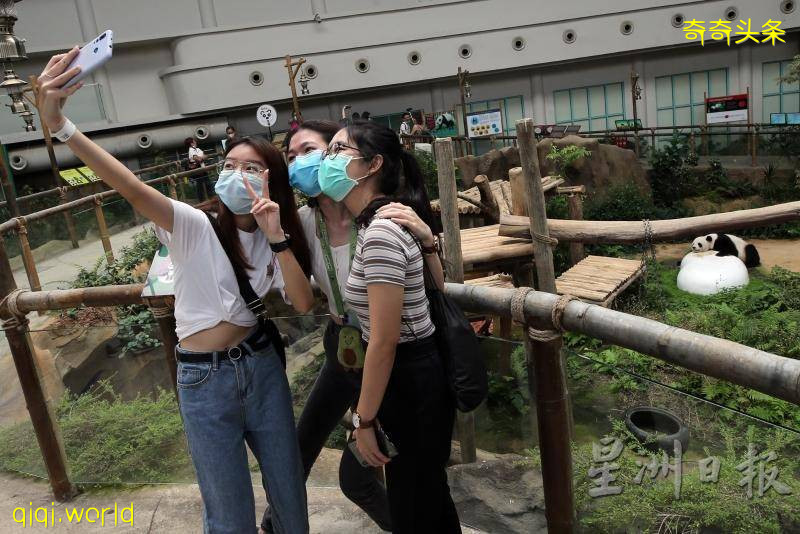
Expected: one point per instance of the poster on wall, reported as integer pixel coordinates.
(73, 177)
(731, 108)
(441, 123)
(485, 123)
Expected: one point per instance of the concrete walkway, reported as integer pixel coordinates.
(166, 508)
(58, 263)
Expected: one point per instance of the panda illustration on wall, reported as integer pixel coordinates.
(728, 245)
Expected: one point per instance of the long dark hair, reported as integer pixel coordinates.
(280, 192)
(400, 177)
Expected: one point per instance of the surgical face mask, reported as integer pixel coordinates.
(333, 179)
(231, 190)
(304, 172)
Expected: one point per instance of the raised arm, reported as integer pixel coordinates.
(146, 200)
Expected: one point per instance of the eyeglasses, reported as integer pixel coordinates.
(248, 167)
(337, 147)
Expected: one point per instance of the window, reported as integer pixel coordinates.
(680, 97)
(593, 108)
(778, 97)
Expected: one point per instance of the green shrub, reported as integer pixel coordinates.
(109, 440)
(428, 167)
(670, 177)
(565, 158)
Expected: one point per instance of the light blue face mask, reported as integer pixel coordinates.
(231, 190)
(304, 171)
(333, 179)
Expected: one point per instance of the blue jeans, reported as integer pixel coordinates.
(225, 404)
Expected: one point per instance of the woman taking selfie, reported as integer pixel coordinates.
(404, 391)
(232, 387)
(330, 232)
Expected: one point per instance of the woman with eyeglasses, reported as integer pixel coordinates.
(404, 400)
(232, 387)
(331, 233)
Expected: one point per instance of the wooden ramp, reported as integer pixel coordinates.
(599, 280)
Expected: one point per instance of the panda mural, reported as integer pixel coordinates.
(728, 245)
(717, 262)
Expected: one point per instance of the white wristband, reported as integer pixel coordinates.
(66, 131)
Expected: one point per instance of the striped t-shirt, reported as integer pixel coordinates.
(387, 253)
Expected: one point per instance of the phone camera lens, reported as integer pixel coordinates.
(96, 49)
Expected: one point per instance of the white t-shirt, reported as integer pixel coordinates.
(206, 291)
(341, 258)
(196, 151)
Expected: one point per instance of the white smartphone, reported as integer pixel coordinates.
(92, 56)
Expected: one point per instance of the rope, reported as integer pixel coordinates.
(556, 315)
(547, 240)
(17, 320)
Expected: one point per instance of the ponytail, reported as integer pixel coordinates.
(400, 177)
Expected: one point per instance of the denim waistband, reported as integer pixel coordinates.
(255, 341)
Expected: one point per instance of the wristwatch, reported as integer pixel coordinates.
(362, 423)
(281, 245)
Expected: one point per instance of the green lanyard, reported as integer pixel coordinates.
(327, 256)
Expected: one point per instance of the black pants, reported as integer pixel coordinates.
(334, 391)
(418, 414)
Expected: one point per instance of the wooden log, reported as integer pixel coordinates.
(27, 255)
(519, 206)
(454, 266)
(663, 230)
(166, 323)
(492, 212)
(752, 368)
(545, 364)
(43, 418)
(575, 206)
(103, 228)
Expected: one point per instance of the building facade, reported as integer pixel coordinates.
(180, 65)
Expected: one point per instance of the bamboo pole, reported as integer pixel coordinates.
(748, 367)
(27, 255)
(166, 323)
(8, 188)
(545, 363)
(454, 266)
(45, 424)
(575, 206)
(663, 230)
(103, 228)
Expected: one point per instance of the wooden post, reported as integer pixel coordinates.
(166, 323)
(575, 205)
(754, 157)
(27, 256)
(48, 141)
(8, 188)
(519, 206)
(43, 419)
(546, 365)
(454, 265)
(173, 192)
(101, 226)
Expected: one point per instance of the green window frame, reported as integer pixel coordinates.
(569, 107)
(778, 96)
(689, 104)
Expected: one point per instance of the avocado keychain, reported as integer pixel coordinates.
(350, 351)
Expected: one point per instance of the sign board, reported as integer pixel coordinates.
(793, 118)
(266, 115)
(442, 123)
(161, 276)
(628, 124)
(485, 123)
(722, 109)
(89, 174)
(777, 118)
(73, 177)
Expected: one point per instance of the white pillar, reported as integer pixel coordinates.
(208, 17)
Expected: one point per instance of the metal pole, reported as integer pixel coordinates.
(8, 189)
(546, 365)
(43, 419)
(454, 266)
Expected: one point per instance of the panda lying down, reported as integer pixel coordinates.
(728, 245)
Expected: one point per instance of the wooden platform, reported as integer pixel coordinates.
(495, 280)
(483, 245)
(598, 279)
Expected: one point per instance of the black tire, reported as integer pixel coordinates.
(657, 428)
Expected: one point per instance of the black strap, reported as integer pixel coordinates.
(253, 301)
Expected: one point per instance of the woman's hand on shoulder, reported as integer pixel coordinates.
(405, 216)
(51, 95)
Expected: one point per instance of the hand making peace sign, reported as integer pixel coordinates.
(266, 212)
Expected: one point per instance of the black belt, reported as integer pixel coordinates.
(255, 342)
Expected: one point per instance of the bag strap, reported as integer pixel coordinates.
(327, 256)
